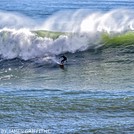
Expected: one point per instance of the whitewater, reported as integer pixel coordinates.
(18, 40)
(94, 93)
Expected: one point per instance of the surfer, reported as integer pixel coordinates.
(64, 59)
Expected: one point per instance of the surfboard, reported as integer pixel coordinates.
(61, 65)
(58, 63)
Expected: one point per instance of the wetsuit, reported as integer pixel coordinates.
(64, 59)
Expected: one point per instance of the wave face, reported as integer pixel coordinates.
(25, 38)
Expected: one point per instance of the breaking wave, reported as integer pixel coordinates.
(60, 33)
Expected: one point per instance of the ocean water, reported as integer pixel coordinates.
(93, 94)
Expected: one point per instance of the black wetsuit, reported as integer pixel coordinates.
(64, 59)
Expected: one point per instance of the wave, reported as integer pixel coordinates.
(124, 39)
(27, 44)
(85, 30)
